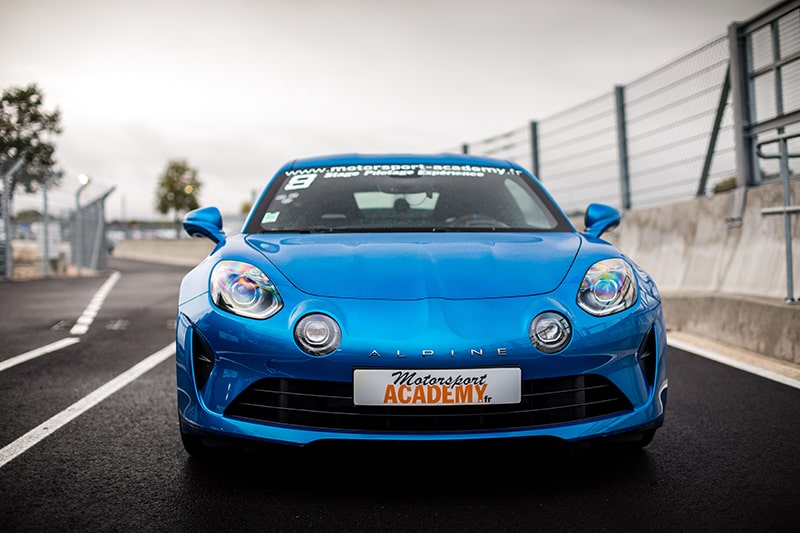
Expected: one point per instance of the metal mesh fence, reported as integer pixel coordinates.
(672, 133)
(55, 232)
(669, 117)
(514, 145)
(579, 159)
(776, 91)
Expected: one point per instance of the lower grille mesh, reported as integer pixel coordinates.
(329, 405)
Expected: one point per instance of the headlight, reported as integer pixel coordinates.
(317, 334)
(242, 289)
(608, 287)
(550, 332)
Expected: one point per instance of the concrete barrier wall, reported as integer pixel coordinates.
(688, 247)
(724, 283)
(184, 252)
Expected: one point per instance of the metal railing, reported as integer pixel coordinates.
(679, 131)
(765, 63)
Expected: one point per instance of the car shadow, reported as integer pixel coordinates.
(419, 468)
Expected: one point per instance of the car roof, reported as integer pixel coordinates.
(398, 159)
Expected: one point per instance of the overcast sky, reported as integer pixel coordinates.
(239, 87)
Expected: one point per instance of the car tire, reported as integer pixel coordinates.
(646, 438)
(195, 447)
(627, 442)
(210, 449)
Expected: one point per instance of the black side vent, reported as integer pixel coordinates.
(202, 359)
(647, 356)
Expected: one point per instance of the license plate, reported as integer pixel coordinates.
(474, 386)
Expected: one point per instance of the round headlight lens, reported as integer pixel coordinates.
(608, 287)
(242, 289)
(550, 332)
(317, 334)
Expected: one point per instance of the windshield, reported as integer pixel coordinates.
(407, 197)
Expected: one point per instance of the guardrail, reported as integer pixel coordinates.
(786, 210)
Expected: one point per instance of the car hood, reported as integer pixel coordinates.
(410, 266)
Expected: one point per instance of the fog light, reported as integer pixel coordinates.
(550, 332)
(317, 334)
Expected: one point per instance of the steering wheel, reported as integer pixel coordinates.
(476, 220)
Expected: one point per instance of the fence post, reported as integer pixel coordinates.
(784, 164)
(535, 149)
(712, 141)
(9, 253)
(622, 145)
(740, 89)
(787, 219)
(100, 231)
(46, 218)
(84, 181)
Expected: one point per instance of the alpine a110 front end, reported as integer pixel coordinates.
(415, 298)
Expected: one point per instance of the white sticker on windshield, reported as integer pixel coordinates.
(287, 198)
(300, 181)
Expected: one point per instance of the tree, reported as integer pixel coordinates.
(27, 131)
(28, 216)
(177, 190)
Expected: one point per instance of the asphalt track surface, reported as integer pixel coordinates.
(727, 459)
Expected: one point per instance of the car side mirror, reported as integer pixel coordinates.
(204, 222)
(600, 218)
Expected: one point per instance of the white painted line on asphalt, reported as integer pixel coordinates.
(86, 319)
(51, 425)
(33, 354)
(733, 362)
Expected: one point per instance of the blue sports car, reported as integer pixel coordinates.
(415, 298)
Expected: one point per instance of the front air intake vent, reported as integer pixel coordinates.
(329, 405)
(647, 356)
(202, 359)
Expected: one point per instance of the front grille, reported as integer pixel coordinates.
(329, 405)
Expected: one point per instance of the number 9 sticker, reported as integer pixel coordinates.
(300, 181)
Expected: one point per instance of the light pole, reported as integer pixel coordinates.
(84, 180)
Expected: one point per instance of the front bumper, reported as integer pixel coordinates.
(562, 389)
